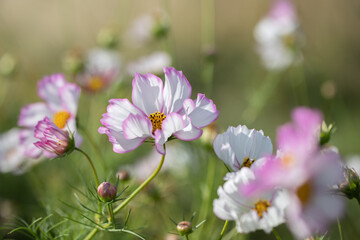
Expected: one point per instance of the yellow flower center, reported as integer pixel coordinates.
(287, 161)
(304, 192)
(95, 83)
(60, 119)
(156, 119)
(247, 162)
(261, 206)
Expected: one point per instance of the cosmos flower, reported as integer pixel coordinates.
(278, 37)
(12, 157)
(154, 63)
(102, 68)
(157, 112)
(240, 147)
(53, 140)
(60, 106)
(261, 212)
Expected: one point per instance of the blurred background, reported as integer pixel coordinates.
(213, 43)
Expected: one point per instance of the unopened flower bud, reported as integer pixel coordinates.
(107, 191)
(7, 65)
(123, 175)
(107, 38)
(184, 228)
(73, 62)
(160, 30)
(326, 132)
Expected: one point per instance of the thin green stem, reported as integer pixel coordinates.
(132, 195)
(91, 164)
(187, 237)
(111, 214)
(223, 230)
(276, 234)
(340, 230)
(95, 147)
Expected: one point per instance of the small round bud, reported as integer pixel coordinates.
(7, 65)
(73, 62)
(123, 175)
(184, 228)
(107, 38)
(107, 191)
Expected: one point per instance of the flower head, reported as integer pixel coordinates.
(157, 112)
(102, 68)
(154, 63)
(240, 147)
(263, 211)
(60, 106)
(277, 36)
(53, 140)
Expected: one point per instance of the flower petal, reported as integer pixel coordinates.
(204, 111)
(172, 124)
(224, 150)
(189, 132)
(27, 140)
(177, 89)
(48, 89)
(69, 95)
(117, 111)
(120, 143)
(147, 93)
(32, 113)
(137, 126)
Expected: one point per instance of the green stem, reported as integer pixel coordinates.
(96, 148)
(187, 237)
(276, 234)
(133, 194)
(223, 230)
(340, 230)
(91, 164)
(111, 214)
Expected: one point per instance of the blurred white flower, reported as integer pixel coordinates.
(240, 147)
(12, 157)
(260, 212)
(102, 68)
(153, 63)
(151, 26)
(353, 162)
(277, 36)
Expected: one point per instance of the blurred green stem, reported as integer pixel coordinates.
(111, 214)
(276, 234)
(95, 147)
(223, 230)
(132, 195)
(340, 229)
(4, 86)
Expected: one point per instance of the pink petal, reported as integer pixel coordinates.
(120, 143)
(177, 89)
(48, 89)
(189, 132)
(204, 111)
(147, 93)
(69, 95)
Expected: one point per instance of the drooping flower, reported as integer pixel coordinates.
(278, 36)
(60, 106)
(53, 141)
(154, 63)
(12, 153)
(157, 112)
(102, 68)
(240, 147)
(258, 212)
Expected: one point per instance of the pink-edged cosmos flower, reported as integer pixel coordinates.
(60, 106)
(53, 140)
(157, 112)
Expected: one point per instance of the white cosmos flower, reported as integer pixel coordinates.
(260, 212)
(239, 147)
(277, 36)
(153, 63)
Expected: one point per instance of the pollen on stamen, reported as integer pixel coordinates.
(60, 119)
(156, 119)
(261, 206)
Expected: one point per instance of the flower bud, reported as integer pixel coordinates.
(107, 38)
(184, 228)
(123, 175)
(326, 132)
(107, 191)
(73, 62)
